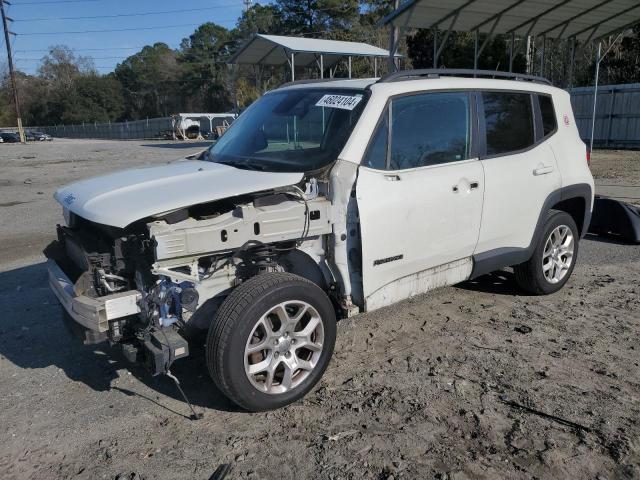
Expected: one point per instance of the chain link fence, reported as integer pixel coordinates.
(151, 128)
(139, 129)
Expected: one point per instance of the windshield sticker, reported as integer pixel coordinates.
(344, 102)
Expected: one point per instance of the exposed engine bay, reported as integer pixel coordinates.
(162, 278)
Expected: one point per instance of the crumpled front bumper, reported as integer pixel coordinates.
(92, 313)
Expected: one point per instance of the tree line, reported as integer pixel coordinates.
(159, 80)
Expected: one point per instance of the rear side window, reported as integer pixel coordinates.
(508, 122)
(549, 122)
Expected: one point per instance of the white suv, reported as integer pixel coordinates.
(324, 199)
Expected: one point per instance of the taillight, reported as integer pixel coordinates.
(588, 157)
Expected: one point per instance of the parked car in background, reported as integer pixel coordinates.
(39, 136)
(10, 137)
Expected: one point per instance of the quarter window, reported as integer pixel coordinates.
(549, 122)
(508, 121)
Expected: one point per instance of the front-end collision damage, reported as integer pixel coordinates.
(152, 283)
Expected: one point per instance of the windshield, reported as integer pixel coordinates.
(297, 130)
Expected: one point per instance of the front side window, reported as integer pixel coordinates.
(508, 121)
(295, 130)
(426, 129)
(549, 122)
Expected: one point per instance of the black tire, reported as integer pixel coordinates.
(529, 275)
(234, 323)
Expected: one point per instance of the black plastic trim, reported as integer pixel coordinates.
(492, 260)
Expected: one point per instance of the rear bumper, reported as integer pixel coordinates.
(92, 313)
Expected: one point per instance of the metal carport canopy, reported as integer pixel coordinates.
(581, 19)
(264, 49)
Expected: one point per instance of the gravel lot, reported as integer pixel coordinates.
(472, 381)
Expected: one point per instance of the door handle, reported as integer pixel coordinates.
(472, 186)
(392, 178)
(543, 170)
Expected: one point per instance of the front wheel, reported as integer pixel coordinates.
(271, 341)
(553, 259)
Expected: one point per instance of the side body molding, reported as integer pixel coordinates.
(492, 260)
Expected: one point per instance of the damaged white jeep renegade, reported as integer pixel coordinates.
(321, 201)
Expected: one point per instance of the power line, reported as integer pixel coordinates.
(110, 30)
(140, 14)
(47, 50)
(56, 2)
(25, 59)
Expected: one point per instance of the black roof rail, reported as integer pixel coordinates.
(444, 72)
(313, 80)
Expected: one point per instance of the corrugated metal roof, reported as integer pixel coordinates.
(582, 19)
(276, 50)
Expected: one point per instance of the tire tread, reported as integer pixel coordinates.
(525, 273)
(228, 315)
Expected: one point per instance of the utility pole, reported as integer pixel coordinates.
(247, 5)
(12, 72)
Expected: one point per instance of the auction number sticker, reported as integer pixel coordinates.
(344, 102)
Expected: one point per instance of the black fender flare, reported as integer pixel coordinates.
(492, 260)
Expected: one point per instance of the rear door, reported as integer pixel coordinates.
(520, 170)
(420, 188)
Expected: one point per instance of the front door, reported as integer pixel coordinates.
(419, 191)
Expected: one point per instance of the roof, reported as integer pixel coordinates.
(582, 19)
(425, 83)
(356, 84)
(276, 50)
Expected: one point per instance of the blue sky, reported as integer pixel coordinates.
(37, 20)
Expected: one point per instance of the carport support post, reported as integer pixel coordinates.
(293, 67)
(572, 61)
(595, 97)
(375, 67)
(321, 66)
(349, 67)
(475, 50)
(542, 52)
(511, 50)
(435, 47)
(394, 40)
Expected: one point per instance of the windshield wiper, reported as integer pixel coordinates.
(245, 165)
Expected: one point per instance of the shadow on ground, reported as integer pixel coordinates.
(500, 283)
(179, 146)
(33, 335)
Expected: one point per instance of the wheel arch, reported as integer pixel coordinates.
(566, 198)
(302, 264)
(576, 200)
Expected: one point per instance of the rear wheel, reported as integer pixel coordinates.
(271, 341)
(553, 259)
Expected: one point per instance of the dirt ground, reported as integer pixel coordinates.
(473, 381)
